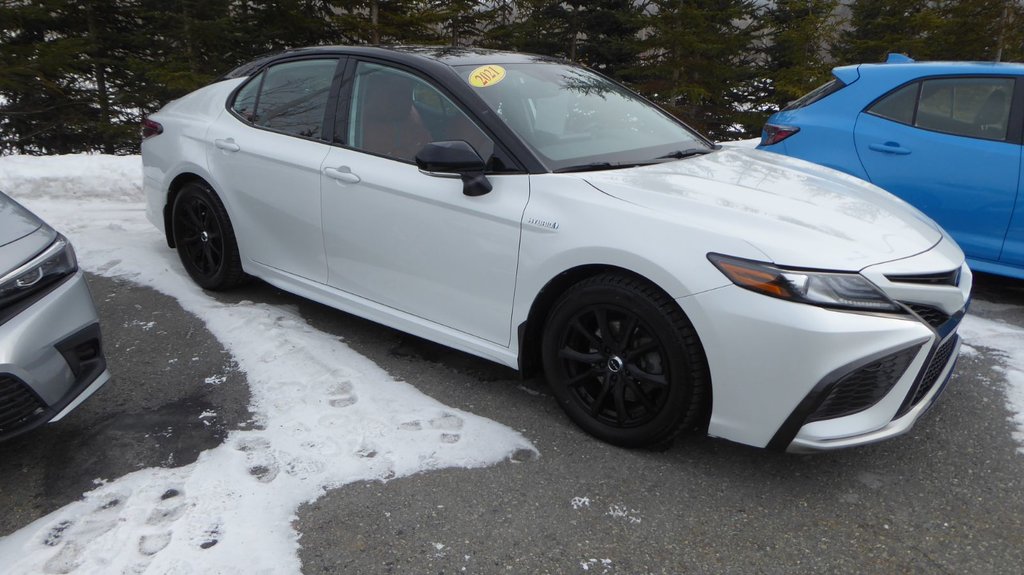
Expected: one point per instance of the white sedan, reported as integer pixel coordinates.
(537, 214)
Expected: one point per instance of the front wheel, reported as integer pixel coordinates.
(205, 239)
(624, 362)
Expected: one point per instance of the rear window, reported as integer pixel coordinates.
(819, 93)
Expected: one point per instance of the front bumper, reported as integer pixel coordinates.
(51, 358)
(800, 378)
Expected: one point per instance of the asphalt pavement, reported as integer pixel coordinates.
(946, 498)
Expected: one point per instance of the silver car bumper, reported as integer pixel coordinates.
(51, 357)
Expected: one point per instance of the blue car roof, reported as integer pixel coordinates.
(915, 69)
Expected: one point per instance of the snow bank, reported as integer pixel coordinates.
(78, 176)
(329, 416)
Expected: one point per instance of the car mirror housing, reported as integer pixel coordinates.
(455, 158)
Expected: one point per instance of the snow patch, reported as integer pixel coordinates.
(327, 415)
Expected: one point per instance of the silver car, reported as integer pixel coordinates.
(51, 352)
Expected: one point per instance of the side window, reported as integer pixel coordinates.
(245, 99)
(394, 114)
(897, 106)
(293, 97)
(974, 107)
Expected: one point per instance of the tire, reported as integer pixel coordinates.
(624, 362)
(205, 239)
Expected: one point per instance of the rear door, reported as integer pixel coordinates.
(267, 150)
(948, 146)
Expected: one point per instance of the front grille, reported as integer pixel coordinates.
(933, 316)
(931, 376)
(950, 278)
(18, 404)
(864, 387)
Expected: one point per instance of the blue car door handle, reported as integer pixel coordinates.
(890, 148)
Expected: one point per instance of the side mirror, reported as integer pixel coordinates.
(455, 159)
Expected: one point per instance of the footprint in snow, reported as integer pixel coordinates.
(340, 394)
(73, 537)
(448, 423)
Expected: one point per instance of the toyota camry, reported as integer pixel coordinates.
(537, 214)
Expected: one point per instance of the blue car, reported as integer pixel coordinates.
(944, 136)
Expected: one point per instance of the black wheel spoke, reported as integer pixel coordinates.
(655, 378)
(580, 378)
(640, 350)
(602, 324)
(641, 395)
(208, 256)
(193, 217)
(595, 408)
(578, 356)
(626, 335)
(576, 325)
(620, 403)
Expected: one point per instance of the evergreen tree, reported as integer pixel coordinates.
(383, 22)
(602, 34)
(977, 30)
(702, 64)
(799, 35)
(879, 27)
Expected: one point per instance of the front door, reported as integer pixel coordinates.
(412, 241)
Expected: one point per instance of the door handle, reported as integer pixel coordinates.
(890, 148)
(228, 145)
(342, 174)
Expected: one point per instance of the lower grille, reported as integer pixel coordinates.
(864, 387)
(931, 376)
(18, 404)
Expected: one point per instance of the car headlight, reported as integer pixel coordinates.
(827, 289)
(55, 263)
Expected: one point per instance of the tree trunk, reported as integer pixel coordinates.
(97, 55)
(374, 22)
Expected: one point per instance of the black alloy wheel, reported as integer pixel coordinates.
(205, 239)
(624, 362)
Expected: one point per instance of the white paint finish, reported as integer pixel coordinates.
(416, 243)
(767, 354)
(271, 186)
(798, 213)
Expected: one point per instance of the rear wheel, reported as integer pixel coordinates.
(205, 239)
(624, 362)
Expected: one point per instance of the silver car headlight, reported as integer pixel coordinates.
(55, 263)
(821, 288)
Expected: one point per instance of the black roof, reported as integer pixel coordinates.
(447, 55)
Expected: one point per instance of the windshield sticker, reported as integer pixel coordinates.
(486, 76)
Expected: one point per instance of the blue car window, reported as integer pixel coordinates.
(819, 93)
(973, 107)
(897, 106)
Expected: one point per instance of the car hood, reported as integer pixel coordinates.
(796, 213)
(15, 221)
(22, 234)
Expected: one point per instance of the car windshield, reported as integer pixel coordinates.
(575, 119)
